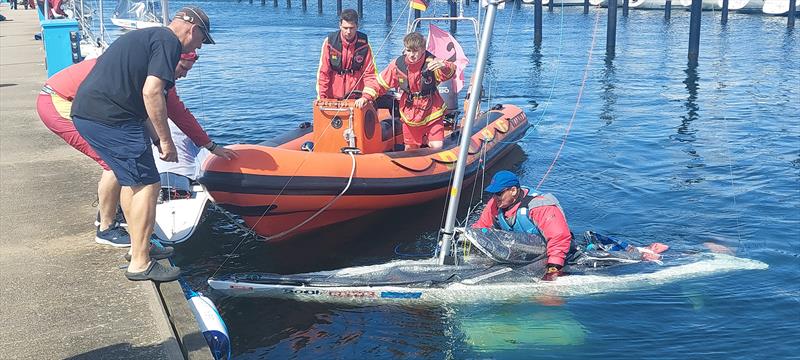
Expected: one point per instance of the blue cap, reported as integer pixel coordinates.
(501, 181)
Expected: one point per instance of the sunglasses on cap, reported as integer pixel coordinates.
(197, 20)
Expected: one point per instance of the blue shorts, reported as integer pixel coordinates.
(125, 147)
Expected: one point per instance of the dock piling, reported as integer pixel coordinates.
(791, 15)
(388, 11)
(537, 21)
(288, 4)
(694, 31)
(611, 30)
(304, 5)
(725, 6)
(550, 5)
(319, 6)
(360, 6)
(625, 8)
(668, 10)
(454, 13)
(585, 6)
(338, 7)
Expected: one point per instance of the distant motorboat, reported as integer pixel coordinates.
(733, 5)
(653, 4)
(778, 7)
(640, 4)
(133, 14)
(557, 2)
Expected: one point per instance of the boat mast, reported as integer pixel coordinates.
(165, 12)
(102, 27)
(466, 129)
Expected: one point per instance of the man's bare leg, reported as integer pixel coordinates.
(139, 204)
(108, 190)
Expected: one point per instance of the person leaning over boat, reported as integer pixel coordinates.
(346, 66)
(121, 104)
(54, 104)
(416, 73)
(187, 139)
(517, 208)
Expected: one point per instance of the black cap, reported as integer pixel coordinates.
(197, 16)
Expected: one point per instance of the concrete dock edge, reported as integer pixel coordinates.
(63, 295)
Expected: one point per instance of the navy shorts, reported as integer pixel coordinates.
(125, 147)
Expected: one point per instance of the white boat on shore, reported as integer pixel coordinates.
(779, 7)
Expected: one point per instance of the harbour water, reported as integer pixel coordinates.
(655, 151)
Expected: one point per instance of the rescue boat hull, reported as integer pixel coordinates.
(275, 186)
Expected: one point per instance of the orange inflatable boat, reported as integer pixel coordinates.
(344, 165)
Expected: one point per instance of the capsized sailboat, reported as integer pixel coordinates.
(503, 266)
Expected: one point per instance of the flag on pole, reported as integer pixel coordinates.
(420, 5)
(444, 46)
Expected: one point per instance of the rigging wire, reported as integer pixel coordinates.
(577, 102)
(726, 131)
(556, 68)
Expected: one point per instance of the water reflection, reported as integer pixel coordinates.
(607, 113)
(535, 79)
(307, 330)
(685, 132)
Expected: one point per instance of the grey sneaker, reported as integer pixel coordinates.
(156, 252)
(115, 236)
(119, 218)
(155, 272)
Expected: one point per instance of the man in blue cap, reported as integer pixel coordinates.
(516, 208)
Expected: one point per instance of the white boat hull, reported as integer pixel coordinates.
(133, 24)
(778, 7)
(653, 4)
(177, 219)
(562, 2)
(470, 292)
(733, 5)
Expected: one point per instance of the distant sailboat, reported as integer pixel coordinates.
(137, 14)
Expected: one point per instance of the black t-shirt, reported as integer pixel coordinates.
(112, 92)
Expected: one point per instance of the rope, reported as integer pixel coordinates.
(577, 102)
(312, 217)
(727, 143)
(268, 238)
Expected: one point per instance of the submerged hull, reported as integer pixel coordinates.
(278, 188)
(473, 288)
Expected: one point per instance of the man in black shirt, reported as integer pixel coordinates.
(120, 106)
